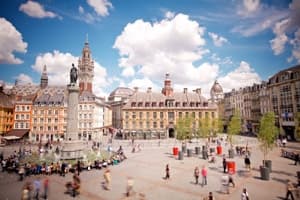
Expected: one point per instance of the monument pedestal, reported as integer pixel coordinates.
(72, 150)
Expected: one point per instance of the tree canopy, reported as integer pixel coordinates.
(235, 126)
(267, 133)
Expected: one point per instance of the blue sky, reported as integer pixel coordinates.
(135, 43)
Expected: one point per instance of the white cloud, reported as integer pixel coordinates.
(153, 49)
(58, 68)
(24, 79)
(86, 16)
(296, 46)
(169, 15)
(218, 40)
(241, 77)
(278, 43)
(100, 6)
(81, 9)
(143, 84)
(10, 41)
(128, 72)
(248, 8)
(34, 9)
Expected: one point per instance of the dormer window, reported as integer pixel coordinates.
(184, 104)
(147, 104)
(161, 104)
(140, 104)
(133, 104)
(153, 104)
(177, 104)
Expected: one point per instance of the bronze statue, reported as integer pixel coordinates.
(73, 74)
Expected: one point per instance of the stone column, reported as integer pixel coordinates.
(72, 147)
(72, 120)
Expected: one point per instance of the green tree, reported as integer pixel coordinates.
(234, 127)
(267, 133)
(184, 128)
(204, 127)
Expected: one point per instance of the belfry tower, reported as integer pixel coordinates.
(86, 69)
(44, 78)
(167, 89)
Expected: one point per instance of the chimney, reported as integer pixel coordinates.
(185, 90)
(198, 91)
(136, 89)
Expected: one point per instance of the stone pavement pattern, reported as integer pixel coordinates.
(148, 169)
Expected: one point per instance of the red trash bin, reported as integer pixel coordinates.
(219, 150)
(175, 151)
(231, 167)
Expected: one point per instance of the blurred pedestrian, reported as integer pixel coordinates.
(26, 191)
(107, 179)
(245, 195)
(289, 189)
(296, 158)
(167, 172)
(210, 197)
(196, 175)
(204, 175)
(224, 165)
(129, 188)
(37, 187)
(78, 167)
(46, 187)
(247, 163)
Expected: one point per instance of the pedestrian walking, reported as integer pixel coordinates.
(224, 165)
(247, 163)
(204, 175)
(196, 174)
(209, 197)
(63, 169)
(107, 179)
(129, 188)
(167, 172)
(26, 190)
(231, 180)
(289, 189)
(46, 187)
(78, 167)
(225, 184)
(245, 195)
(37, 187)
(296, 158)
(21, 172)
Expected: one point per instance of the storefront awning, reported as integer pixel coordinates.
(18, 133)
(12, 137)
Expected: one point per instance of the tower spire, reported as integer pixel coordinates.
(87, 38)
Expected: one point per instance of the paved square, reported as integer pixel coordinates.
(147, 167)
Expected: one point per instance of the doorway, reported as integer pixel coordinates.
(171, 133)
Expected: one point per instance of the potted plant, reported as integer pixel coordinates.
(267, 135)
(234, 128)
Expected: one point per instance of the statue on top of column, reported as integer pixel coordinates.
(73, 74)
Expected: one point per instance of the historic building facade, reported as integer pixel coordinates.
(154, 115)
(6, 111)
(280, 94)
(42, 109)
